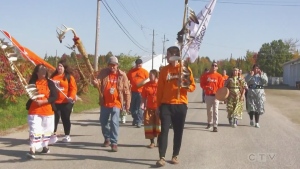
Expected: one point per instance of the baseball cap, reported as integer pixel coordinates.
(113, 60)
(138, 61)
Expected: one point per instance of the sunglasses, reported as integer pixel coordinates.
(214, 65)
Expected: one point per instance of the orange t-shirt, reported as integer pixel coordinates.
(110, 94)
(225, 77)
(149, 93)
(45, 109)
(167, 89)
(135, 76)
(211, 82)
(68, 89)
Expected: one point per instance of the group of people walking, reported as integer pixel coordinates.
(249, 88)
(158, 103)
(155, 103)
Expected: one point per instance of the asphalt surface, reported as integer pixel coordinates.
(275, 145)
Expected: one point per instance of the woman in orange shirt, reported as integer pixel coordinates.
(66, 83)
(40, 112)
(149, 105)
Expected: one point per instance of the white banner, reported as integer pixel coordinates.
(197, 32)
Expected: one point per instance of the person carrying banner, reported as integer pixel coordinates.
(65, 82)
(170, 107)
(40, 111)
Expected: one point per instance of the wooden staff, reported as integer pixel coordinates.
(81, 49)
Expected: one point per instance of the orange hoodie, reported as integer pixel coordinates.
(68, 89)
(167, 89)
(211, 82)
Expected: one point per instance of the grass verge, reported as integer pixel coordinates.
(14, 115)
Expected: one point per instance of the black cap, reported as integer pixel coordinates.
(138, 61)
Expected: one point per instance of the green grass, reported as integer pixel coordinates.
(15, 114)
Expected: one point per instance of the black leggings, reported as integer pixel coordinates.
(251, 113)
(64, 111)
(176, 114)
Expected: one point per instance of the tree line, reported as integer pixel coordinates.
(270, 57)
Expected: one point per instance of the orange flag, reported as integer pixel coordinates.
(27, 53)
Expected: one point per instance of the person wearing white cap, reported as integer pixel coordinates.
(115, 96)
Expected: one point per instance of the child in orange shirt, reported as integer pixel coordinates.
(40, 112)
(149, 104)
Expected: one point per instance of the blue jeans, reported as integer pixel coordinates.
(135, 108)
(110, 132)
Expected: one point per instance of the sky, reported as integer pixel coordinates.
(235, 25)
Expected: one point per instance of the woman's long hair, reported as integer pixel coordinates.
(34, 76)
(154, 72)
(67, 70)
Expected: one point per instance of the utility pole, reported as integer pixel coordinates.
(97, 35)
(152, 48)
(56, 59)
(163, 53)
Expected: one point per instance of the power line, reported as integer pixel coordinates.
(133, 18)
(259, 3)
(122, 27)
(128, 13)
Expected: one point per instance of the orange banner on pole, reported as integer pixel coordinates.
(27, 53)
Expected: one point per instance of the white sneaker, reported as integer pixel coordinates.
(257, 125)
(30, 155)
(251, 123)
(53, 139)
(66, 139)
(123, 119)
(234, 125)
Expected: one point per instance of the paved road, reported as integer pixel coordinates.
(275, 145)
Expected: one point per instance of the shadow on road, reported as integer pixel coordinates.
(66, 157)
(86, 122)
(20, 154)
(281, 87)
(11, 142)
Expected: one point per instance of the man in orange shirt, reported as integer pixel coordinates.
(170, 107)
(115, 89)
(135, 76)
(211, 82)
